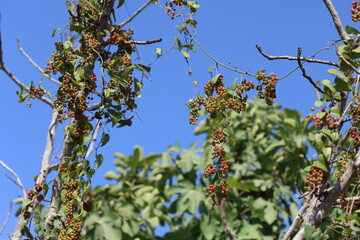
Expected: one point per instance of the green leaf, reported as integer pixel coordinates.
(351, 31)
(26, 232)
(308, 231)
(330, 134)
(121, 2)
(329, 85)
(320, 102)
(335, 111)
(105, 139)
(214, 80)
(187, 55)
(55, 31)
(270, 213)
(111, 175)
(45, 188)
(70, 7)
(99, 160)
(336, 73)
(178, 43)
(342, 85)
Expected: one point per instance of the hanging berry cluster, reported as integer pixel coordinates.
(266, 87)
(220, 167)
(355, 11)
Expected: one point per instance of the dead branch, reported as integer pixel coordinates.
(135, 13)
(17, 180)
(224, 221)
(147, 42)
(33, 62)
(336, 20)
(8, 215)
(306, 75)
(309, 59)
(293, 225)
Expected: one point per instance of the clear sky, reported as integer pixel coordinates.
(228, 29)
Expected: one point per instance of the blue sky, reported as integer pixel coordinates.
(228, 29)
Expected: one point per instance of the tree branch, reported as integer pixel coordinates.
(296, 220)
(336, 20)
(17, 180)
(304, 73)
(147, 42)
(7, 217)
(224, 221)
(135, 14)
(93, 140)
(34, 63)
(309, 59)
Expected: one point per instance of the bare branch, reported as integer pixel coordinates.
(18, 181)
(304, 73)
(135, 14)
(49, 148)
(147, 42)
(224, 221)
(309, 59)
(336, 20)
(7, 217)
(291, 229)
(34, 63)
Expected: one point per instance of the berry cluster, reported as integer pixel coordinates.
(315, 177)
(355, 11)
(170, 7)
(355, 135)
(195, 106)
(267, 88)
(342, 200)
(72, 227)
(326, 119)
(218, 139)
(341, 165)
(219, 189)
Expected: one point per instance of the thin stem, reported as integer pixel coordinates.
(17, 180)
(135, 13)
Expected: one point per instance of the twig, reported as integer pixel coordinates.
(18, 181)
(7, 217)
(34, 63)
(147, 42)
(304, 72)
(309, 59)
(217, 62)
(336, 20)
(135, 13)
(224, 221)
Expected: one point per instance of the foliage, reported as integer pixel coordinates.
(268, 148)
